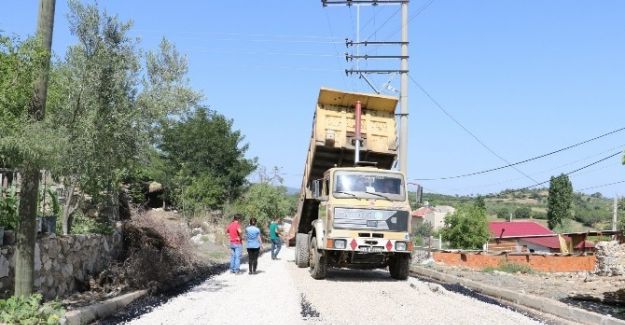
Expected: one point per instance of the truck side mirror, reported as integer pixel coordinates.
(316, 188)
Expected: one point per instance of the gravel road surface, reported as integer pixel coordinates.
(281, 293)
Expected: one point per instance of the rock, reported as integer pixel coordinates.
(37, 258)
(47, 265)
(610, 258)
(4, 266)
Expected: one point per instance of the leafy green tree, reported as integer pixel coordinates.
(522, 213)
(503, 213)
(480, 203)
(467, 228)
(559, 201)
(205, 160)
(112, 107)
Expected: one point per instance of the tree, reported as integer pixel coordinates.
(25, 248)
(467, 228)
(266, 199)
(523, 213)
(205, 160)
(503, 213)
(479, 202)
(559, 202)
(111, 107)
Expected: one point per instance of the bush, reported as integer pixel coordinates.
(467, 228)
(85, 225)
(522, 213)
(9, 217)
(30, 310)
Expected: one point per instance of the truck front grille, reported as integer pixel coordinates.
(371, 219)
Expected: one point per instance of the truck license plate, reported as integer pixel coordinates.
(372, 249)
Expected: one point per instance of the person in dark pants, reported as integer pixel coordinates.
(276, 241)
(254, 242)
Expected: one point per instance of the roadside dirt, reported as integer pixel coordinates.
(605, 295)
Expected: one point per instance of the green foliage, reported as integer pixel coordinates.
(503, 213)
(479, 203)
(467, 228)
(9, 217)
(559, 204)
(264, 201)
(510, 268)
(56, 207)
(30, 311)
(85, 225)
(422, 231)
(22, 140)
(204, 160)
(523, 213)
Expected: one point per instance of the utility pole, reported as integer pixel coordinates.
(403, 94)
(26, 232)
(403, 70)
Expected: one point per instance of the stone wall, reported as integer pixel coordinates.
(610, 258)
(62, 264)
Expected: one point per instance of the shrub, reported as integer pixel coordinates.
(522, 213)
(85, 225)
(30, 310)
(9, 217)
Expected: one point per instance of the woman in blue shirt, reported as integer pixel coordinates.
(252, 233)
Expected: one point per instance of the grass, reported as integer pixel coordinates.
(510, 268)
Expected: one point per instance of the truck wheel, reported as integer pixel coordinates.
(399, 266)
(318, 264)
(301, 250)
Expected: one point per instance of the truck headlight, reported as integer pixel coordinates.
(400, 246)
(340, 243)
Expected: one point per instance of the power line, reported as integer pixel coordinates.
(602, 185)
(417, 13)
(574, 171)
(384, 23)
(480, 186)
(523, 161)
(442, 109)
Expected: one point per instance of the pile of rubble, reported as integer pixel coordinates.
(610, 258)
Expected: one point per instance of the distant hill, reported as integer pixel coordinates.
(589, 211)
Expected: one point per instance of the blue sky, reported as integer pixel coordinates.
(526, 77)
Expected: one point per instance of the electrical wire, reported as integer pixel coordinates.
(574, 171)
(523, 161)
(442, 109)
(602, 185)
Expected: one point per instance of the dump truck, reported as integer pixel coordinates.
(353, 208)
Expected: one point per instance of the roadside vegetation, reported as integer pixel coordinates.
(588, 211)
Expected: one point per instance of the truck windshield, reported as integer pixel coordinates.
(368, 185)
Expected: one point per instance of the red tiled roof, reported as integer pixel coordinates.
(421, 212)
(528, 228)
(516, 228)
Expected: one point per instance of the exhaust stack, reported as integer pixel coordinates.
(358, 113)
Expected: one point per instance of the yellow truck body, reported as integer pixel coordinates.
(349, 215)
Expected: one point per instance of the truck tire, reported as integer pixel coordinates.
(318, 264)
(399, 266)
(302, 252)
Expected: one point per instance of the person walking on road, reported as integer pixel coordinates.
(234, 232)
(276, 241)
(254, 242)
